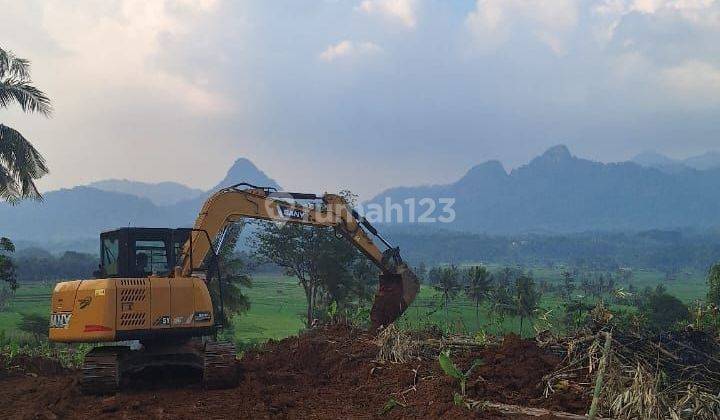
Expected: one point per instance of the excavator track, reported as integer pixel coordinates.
(101, 371)
(219, 365)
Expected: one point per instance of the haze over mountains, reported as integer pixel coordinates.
(560, 193)
(73, 216)
(554, 193)
(704, 162)
(169, 193)
(161, 194)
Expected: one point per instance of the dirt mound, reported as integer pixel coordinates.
(329, 372)
(513, 374)
(514, 370)
(23, 364)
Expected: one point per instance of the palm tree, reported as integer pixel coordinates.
(20, 163)
(448, 286)
(568, 285)
(527, 298)
(479, 282)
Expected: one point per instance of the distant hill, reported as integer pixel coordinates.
(557, 192)
(73, 218)
(77, 213)
(243, 169)
(161, 194)
(706, 161)
(184, 212)
(554, 193)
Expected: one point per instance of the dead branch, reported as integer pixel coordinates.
(528, 411)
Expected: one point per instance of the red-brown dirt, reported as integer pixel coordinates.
(329, 372)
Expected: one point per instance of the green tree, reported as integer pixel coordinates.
(527, 298)
(505, 276)
(433, 276)
(8, 275)
(587, 286)
(20, 163)
(448, 285)
(328, 268)
(34, 264)
(478, 286)
(501, 303)
(576, 313)
(294, 248)
(713, 280)
(568, 285)
(625, 274)
(364, 281)
(346, 276)
(421, 272)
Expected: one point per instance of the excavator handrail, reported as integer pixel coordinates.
(214, 261)
(246, 184)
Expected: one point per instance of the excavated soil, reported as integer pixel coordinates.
(329, 372)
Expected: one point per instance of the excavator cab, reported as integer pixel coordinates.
(140, 252)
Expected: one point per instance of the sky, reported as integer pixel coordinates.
(360, 94)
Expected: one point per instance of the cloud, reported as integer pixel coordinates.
(402, 11)
(347, 48)
(610, 7)
(123, 44)
(473, 81)
(492, 22)
(693, 82)
(688, 7)
(702, 13)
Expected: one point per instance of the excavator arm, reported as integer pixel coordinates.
(398, 284)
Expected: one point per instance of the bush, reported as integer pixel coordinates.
(34, 324)
(664, 311)
(713, 280)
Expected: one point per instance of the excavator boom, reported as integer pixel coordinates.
(398, 284)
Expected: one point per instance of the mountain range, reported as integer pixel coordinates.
(704, 162)
(77, 215)
(560, 193)
(554, 193)
(169, 193)
(161, 193)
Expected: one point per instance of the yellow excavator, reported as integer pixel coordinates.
(150, 304)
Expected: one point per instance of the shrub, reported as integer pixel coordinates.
(34, 324)
(663, 311)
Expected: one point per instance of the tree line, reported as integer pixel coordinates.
(578, 299)
(509, 292)
(670, 252)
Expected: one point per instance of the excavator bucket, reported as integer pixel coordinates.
(395, 294)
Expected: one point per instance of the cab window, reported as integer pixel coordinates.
(110, 247)
(150, 258)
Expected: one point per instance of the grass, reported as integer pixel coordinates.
(278, 306)
(277, 310)
(29, 298)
